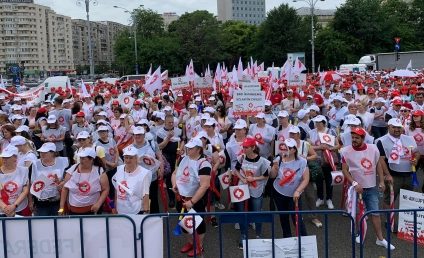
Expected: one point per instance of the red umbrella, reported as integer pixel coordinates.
(331, 76)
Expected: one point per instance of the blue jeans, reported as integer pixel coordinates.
(254, 204)
(370, 197)
(47, 209)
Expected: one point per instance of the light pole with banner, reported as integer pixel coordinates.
(134, 20)
(311, 4)
(90, 46)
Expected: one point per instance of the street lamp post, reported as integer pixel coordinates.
(135, 36)
(90, 47)
(311, 4)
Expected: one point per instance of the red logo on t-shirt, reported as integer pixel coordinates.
(338, 179)
(282, 146)
(418, 138)
(186, 172)
(221, 159)
(281, 138)
(121, 189)
(112, 151)
(38, 186)
(11, 187)
(126, 100)
(326, 138)
(394, 156)
(61, 119)
(147, 161)
(366, 163)
(84, 187)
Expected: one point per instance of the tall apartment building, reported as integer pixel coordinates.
(168, 18)
(35, 35)
(323, 16)
(103, 36)
(248, 11)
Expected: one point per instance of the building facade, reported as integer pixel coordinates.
(168, 18)
(323, 16)
(248, 11)
(103, 35)
(34, 36)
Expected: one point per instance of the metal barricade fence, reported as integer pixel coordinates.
(246, 218)
(67, 219)
(387, 214)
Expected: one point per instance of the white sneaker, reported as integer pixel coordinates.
(330, 204)
(384, 244)
(237, 226)
(319, 202)
(358, 239)
(219, 206)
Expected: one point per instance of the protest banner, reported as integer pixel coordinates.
(245, 78)
(179, 83)
(34, 95)
(285, 247)
(298, 80)
(203, 83)
(251, 86)
(239, 193)
(248, 103)
(188, 221)
(411, 200)
(327, 139)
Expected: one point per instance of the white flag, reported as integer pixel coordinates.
(154, 82)
(240, 69)
(84, 90)
(351, 202)
(327, 139)
(191, 75)
(298, 66)
(43, 188)
(239, 193)
(409, 66)
(234, 75)
(2, 84)
(190, 222)
(225, 180)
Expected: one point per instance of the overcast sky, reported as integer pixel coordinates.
(105, 11)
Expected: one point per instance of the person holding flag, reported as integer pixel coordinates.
(360, 165)
(292, 177)
(253, 170)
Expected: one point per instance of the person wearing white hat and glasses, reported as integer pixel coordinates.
(132, 183)
(337, 112)
(290, 103)
(284, 125)
(307, 152)
(270, 118)
(85, 141)
(191, 180)
(314, 139)
(192, 121)
(14, 185)
(86, 185)
(51, 167)
(233, 146)
(345, 138)
(149, 149)
(26, 155)
(53, 132)
(215, 138)
(303, 123)
(291, 175)
(397, 158)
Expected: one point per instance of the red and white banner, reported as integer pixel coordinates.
(190, 221)
(410, 200)
(239, 193)
(34, 95)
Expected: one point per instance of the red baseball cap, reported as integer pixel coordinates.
(115, 102)
(397, 102)
(418, 113)
(359, 131)
(80, 114)
(249, 142)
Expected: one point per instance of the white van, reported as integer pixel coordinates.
(132, 77)
(356, 68)
(56, 81)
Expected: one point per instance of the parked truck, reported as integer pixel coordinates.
(388, 61)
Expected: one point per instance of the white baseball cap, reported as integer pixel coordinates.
(18, 140)
(194, 142)
(130, 151)
(102, 128)
(2, 97)
(138, 130)
(17, 99)
(268, 103)
(123, 116)
(202, 134)
(210, 122)
(160, 115)
(348, 92)
(167, 108)
(380, 100)
(294, 129)
(101, 121)
(283, 113)
(319, 118)
(198, 99)
(353, 121)
(16, 117)
(17, 107)
(205, 116)
(194, 106)
(337, 97)
(211, 98)
(260, 115)
(314, 107)
(302, 113)
(87, 152)
(395, 122)
(51, 119)
(290, 142)
(143, 121)
(9, 151)
(22, 128)
(209, 110)
(102, 113)
(83, 135)
(48, 146)
(240, 124)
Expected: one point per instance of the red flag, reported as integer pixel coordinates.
(329, 157)
(154, 82)
(392, 207)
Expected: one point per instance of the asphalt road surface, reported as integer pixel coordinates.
(339, 238)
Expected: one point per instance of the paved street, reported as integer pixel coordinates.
(338, 238)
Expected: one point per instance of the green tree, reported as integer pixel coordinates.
(238, 40)
(282, 32)
(198, 34)
(124, 51)
(148, 22)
